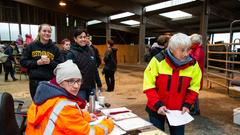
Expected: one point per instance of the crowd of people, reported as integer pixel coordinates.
(61, 80)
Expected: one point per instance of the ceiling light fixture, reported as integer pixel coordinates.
(92, 22)
(62, 3)
(121, 15)
(130, 22)
(177, 15)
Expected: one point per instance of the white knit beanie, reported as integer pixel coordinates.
(67, 70)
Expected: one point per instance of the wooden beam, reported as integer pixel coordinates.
(72, 9)
(177, 7)
(123, 5)
(123, 28)
(108, 30)
(141, 38)
(221, 30)
(222, 13)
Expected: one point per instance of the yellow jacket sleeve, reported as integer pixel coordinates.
(150, 74)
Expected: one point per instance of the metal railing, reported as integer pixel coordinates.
(223, 64)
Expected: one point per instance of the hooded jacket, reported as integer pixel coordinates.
(197, 52)
(170, 84)
(57, 112)
(110, 59)
(33, 53)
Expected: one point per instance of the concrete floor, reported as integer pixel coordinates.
(216, 106)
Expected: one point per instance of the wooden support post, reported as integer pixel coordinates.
(19, 18)
(141, 41)
(108, 30)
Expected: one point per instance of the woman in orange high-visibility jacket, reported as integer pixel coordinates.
(56, 110)
(171, 82)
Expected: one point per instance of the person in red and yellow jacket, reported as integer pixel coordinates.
(56, 110)
(197, 52)
(171, 82)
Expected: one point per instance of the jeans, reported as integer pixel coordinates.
(160, 121)
(1, 69)
(110, 80)
(196, 106)
(8, 68)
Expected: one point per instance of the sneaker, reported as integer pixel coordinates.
(15, 79)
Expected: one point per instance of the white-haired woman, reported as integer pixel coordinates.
(171, 82)
(57, 110)
(197, 52)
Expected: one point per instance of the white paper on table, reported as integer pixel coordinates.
(117, 131)
(132, 123)
(176, 118)
(122, 116)
(115, 110)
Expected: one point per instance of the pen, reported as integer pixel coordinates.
(113, 113)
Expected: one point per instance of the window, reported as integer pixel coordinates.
(14, 31)
(53, 37)
(10, 31)
(34, 31)
(25, 30)
(4, 32)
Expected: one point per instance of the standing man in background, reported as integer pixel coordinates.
(110, 60)
(8, 65)
(98, 62)
(83, 56)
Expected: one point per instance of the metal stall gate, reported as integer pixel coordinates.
(223, 64)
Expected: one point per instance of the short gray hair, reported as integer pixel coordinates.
(179, 40)
(196, 39)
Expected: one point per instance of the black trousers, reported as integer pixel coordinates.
(1, 68)
(8, 68)
(110, 80)
(33, 84)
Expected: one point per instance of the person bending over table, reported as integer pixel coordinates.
(171, 82)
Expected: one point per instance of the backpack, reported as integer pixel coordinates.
(3, 57)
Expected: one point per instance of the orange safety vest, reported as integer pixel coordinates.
(60, 116)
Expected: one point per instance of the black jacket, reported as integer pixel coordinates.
(97, 56)
(110, 60)
(63, 55)
(85, 59)
(9, 52)
(33, 52)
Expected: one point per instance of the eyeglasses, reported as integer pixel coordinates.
(72, 82)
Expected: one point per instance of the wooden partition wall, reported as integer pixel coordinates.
(125, 53)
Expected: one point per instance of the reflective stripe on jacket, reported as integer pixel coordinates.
(60, 116)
